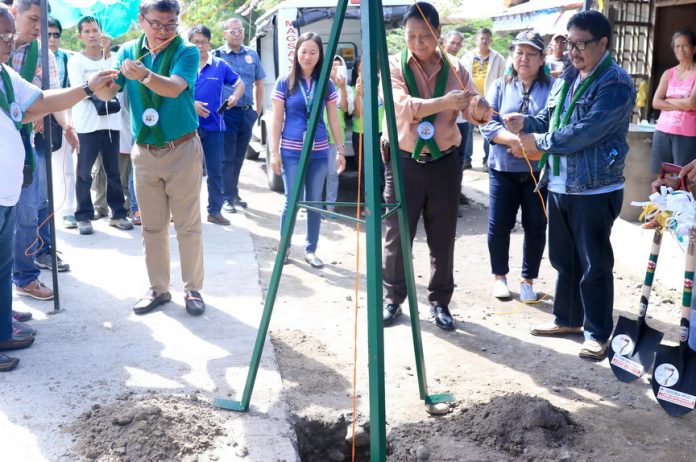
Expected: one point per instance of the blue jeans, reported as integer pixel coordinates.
(237, 135)
(313, 186)
(25, 241)
(331, 175)
(213, 151)
(93, 144)
(581, 252)
(7, 228)
(43, 210)
(508, 192)
(466, 147)
(133, 198)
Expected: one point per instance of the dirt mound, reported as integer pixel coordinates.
(147, 429)
(517, 422)
(514, 425)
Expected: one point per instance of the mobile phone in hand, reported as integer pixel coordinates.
(222, 107)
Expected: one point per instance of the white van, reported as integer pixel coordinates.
(277, 32)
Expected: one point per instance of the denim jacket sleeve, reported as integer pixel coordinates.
(492, 128)
(596, 117)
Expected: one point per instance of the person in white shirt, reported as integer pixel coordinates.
(98, 134)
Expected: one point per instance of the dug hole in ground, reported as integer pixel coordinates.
(518, 397)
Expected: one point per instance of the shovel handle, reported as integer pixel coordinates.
(650, 273)
(667, 169)
(688, 289)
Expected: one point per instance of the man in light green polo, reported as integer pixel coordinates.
(159, 72)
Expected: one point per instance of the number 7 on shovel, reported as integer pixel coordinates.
(634, 343)
(674, 377)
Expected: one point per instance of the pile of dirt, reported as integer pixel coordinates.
(514, 426)
(151, 428)
(519, 424)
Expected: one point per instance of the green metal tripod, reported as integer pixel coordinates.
(374, 51)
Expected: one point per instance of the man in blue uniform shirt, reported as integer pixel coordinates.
(214, 74)
(241, 116)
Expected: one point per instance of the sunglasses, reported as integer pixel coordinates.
(54, 35)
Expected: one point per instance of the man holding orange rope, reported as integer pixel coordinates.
(159, 72)
(582, 131)
(430, 90)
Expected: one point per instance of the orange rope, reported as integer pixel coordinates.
(39, 240)
(536, 183)
(205, 18)
(357, 283)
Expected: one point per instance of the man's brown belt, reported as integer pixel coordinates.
(170, 144)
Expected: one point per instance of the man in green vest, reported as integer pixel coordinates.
(159, 72)
(32, 208)
(428, 96)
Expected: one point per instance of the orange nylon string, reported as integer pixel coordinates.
(357, 282)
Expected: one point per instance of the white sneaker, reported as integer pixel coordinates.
(500, 289)
(527, 294)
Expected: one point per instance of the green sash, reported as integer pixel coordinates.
(28, 71)
(7, 98)
(558, 122)
(151, 99)
(440, 84)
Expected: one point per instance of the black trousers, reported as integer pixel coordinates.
(431, 189)
(581, 252)
(106, 144)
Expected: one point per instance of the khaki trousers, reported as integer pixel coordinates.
(168, 181)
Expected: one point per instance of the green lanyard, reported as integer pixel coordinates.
(413, 91)
(28, 71)
(8, 97)
(558, 122)
(149, 98)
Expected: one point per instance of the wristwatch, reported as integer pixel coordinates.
(88, 90)
(145, 80)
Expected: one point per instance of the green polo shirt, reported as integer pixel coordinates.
(177, 115)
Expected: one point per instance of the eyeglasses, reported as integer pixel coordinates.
(200, 42)
(159, 26)
(239, 30)
(9, 37)
(579, 45)
(54, 35)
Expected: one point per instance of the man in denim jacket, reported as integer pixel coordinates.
(583, 130)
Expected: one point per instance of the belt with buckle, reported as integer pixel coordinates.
(425, 158)
(169, 144)
(243, 108)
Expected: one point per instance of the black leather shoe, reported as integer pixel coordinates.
(150, 301)
(390, 312)
(242, 203)
(443, 318)
(16, 342)
(7, 363)
(195, 306)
